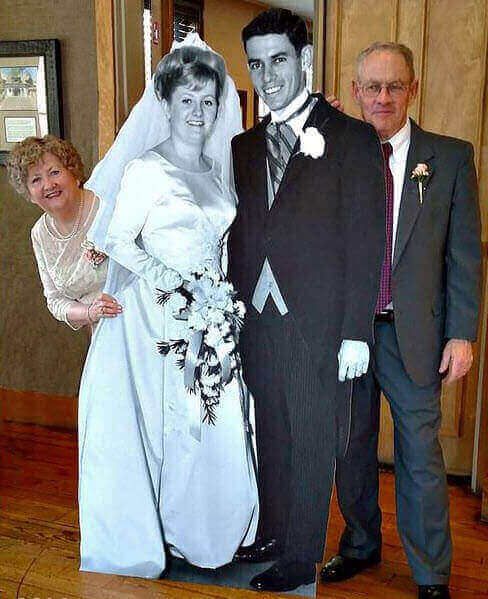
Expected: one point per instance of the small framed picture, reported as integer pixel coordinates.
(30, 91)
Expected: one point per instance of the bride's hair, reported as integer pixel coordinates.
(188, 65)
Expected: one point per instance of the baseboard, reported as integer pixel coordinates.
(34, 407)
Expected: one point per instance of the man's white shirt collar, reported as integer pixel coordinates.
(297, 122)
(401, 140)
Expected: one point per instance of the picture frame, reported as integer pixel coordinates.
(30, 91)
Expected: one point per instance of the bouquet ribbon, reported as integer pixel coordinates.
(224, 360)
(191, 362)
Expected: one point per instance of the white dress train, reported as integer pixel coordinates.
(146, 484)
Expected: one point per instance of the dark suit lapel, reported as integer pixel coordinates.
(257, 179)
(319, 118)
(420, 151)
(320, 114)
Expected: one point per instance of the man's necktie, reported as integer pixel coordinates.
(280, 140)
(384, 295)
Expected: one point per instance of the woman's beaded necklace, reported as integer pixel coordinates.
(76, 226)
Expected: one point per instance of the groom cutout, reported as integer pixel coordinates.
(305, 253)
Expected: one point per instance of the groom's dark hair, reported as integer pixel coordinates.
(278, 20)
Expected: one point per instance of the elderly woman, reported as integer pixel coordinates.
(48, 171)
(154, 477)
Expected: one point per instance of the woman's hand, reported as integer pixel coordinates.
(104, 306)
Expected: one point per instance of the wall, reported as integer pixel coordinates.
(36, 352)
(223, 23)
(449, 39)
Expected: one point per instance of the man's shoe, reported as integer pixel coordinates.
(262, 550)
(341, 568)
(284, 576)
(434, 591)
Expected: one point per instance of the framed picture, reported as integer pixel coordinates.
(30, 91)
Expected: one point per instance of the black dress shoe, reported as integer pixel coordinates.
(434, 591)
(262, 550)
(284, 576)
(341, 567)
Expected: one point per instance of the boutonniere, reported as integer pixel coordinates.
(312, 143)
(420, 174)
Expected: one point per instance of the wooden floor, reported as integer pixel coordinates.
(39, 536)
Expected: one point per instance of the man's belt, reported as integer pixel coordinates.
(385, 316)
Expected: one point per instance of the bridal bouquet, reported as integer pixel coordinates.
(208, 355)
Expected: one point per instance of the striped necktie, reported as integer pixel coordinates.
(280, 141)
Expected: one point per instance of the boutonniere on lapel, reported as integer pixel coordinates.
(419, 175)
(312, 143)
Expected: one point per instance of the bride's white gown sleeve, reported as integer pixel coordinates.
(146, 484)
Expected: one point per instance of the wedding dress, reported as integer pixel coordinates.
(147, 485)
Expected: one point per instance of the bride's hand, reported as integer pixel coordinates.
(104, 306)
(171, 280)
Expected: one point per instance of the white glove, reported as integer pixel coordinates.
(353, 359)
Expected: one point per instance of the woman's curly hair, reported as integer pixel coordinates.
(28, 152)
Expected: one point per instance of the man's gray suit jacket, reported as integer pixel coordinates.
(437, 256)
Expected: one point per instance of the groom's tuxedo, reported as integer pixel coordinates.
(324, 239)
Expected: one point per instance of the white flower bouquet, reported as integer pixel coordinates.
(208, 356)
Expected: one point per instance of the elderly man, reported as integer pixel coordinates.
(426, 318)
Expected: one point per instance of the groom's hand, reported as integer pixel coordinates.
(353, 359)
(335, 102)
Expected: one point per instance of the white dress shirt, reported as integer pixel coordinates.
(297, 122)
(400, 142)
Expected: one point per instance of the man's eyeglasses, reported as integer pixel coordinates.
(372, 90)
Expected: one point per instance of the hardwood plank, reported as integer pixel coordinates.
(15, 491)
(8, 589)
(38, 451)
(16, 556)
(44, 534)
(31, 433)
(38, 408)
(28, 509)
